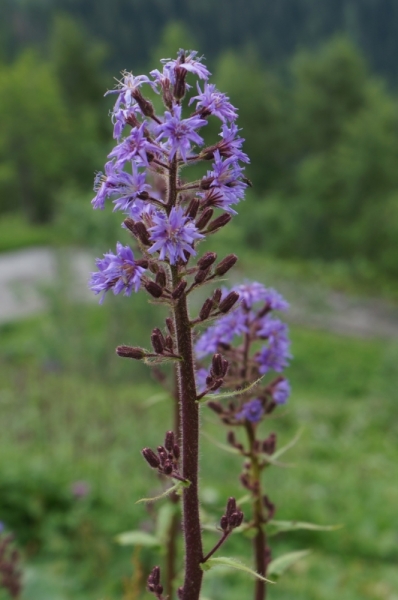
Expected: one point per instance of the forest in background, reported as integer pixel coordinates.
(315, 90)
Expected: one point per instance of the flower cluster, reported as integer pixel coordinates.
(168, 223)
(250, 323)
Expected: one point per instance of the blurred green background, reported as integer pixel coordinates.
(316, 87)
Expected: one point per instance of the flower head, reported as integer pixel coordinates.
(254, 292)
(225, 179)
(116, 272)
(127, 187)
(281, 391)
(186, 61)
(128, 87)
(252, 411)
(135, 147)
(180, 133)
(213, 102)
(276, 354)
(173, 235)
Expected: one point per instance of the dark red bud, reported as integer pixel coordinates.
(217, 295)
(207, 260)
(217, 365)
(161, 278)
(169, 441)
(142, 262)
(140, 232)
(167, 468)
(151, 458)
(224, 522)
(130, 352)
(204, 218)
(153, 289)
(157, 341)
(228, 302)
(231, 506)
(179, 290)
(201, 275)
(129, 223)
(145, 106)
(226, 264)
(193, 208)
(221, 221)
(206, 309)
(176, 451)
(170, 325)
(236, 519)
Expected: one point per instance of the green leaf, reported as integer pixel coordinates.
(231, 393)
(277, 567)
(177, 487)
(137, 538)
(233, 563)
(280, 526)
(292, 443)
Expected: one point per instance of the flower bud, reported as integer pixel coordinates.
(231, 506)
(216, 406)
(130, 352)
(145, 105)
(224, 522)
(217, 365)
(157, 341)
(176, 451)
(221, 221)
(161, 278)
(141, 232)
(235, 519)
(168, 342)
(204, 218)
(179, 290)
(228, 302)
(179, 86)
(201, 275)
(169, 441)
(170, 325)
(217, 295)
(207, 260)
(226, 264)
(206, 309)
(151, 458)
(269, 444)
(193, 208)
(153, 288)
(167, 468)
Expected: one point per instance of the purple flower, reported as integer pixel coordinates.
(80, 489)
(173, 234)
(225, 179)
(187, 62)
(127, 87)
(281, 391)
(276, 354)
(135, 147)
(252, 292)
(128, 187)
(252, 411)
(231, 143)
(117, 272)
(234, 324)
(180, 132)
(123, 117)
(213, 102)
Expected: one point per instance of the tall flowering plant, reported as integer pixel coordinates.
(168, 216)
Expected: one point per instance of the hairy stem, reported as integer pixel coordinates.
(260, 539)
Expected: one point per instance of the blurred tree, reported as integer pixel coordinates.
(33, 137)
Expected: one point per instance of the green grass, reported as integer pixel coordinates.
(60, 426)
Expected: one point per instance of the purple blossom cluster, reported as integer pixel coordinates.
(148, 147)
(252, 319)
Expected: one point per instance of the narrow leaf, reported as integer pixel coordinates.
(231, 393)
(280, 526)
(292, 443)
(277, 567)
(137, 538)
(158, 360)
(174, 488)
(233, 563)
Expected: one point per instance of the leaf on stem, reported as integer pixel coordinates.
(231, 393)
(289, 445)
(233, 563)
(177, 487)
(276, 527)
(277, 567)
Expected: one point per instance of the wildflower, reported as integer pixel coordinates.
(276, 354)
(225, 179)
(135, 147)
(253, 292)
(128, 187)
(128, 87)
(213, 102)
(252, 411)
(179, 132)
(117, 272)
(186, 62)
(173, 235)
(281, 391)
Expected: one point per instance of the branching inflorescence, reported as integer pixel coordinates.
(168, 216)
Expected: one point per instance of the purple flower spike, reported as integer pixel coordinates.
(172, 235)
(252, 411)
(225, 179)
(281, 391)
(180, 132)
(116, 272)
(213, 102)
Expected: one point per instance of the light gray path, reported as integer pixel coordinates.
(24, 274)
